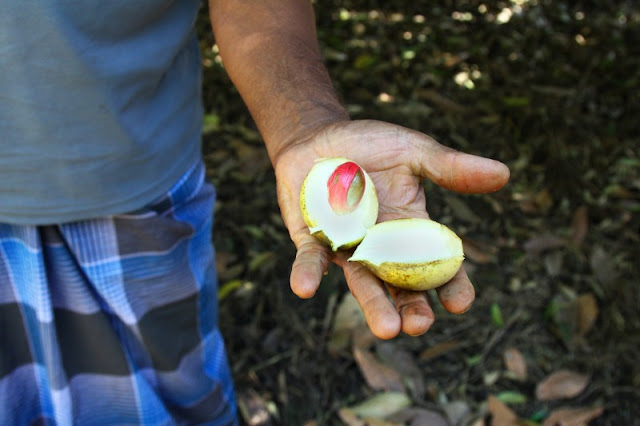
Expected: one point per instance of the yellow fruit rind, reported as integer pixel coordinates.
(303, 207)
(322, 237)
(416, 276)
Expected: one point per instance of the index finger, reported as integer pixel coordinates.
(311, 262)
(458, 294)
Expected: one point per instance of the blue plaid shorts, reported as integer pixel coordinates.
(114, 320)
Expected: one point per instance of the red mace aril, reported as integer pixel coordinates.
(346, 186)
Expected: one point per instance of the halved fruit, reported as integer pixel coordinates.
(339, 202)
(416, 254)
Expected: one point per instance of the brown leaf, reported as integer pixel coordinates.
(379, 406)
(536, 203)
(253, 159)
(350, 418)
(377, 375)
(404, 362)
(604, 266)
(587, 313)
(348, 319)
(573, 416)
(456, 411)
(224, 259)
(554, 263)
(440, 101)
(574, 316)
(253, 408)
(363, 337)
(579, 225)
(478, 252)
(501, 415)
(439, 349)
(419, 417)
(541, 243)
(516, 364)
(461, 210)
(561, 384)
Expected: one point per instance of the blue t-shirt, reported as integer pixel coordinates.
(100, 105)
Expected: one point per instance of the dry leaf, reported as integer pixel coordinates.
(348, 318)
(253, 408)
(253, 159)
(456, 411)
(579, 225)
(554, 263)
(461, 210)
(350, 418)
(574, 318)
(516, 364)
(561, 384)
(363, 337)
(223, 260)
(573, 416)
(404, 362)
(478, 252)
(536, 203)
(439, 349)
(419, 417)
(544, 200)
(603, 266)
(501, 415)
(377, 375)
(539, 244)
(587, 313)
(380, 406)
(440, 101)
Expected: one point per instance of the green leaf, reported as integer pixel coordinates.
(516, 101)
(474, 360)
(496, 315)
(510, 397)
(228, 288)
(539, 415)
(364, 61)
(210, 123)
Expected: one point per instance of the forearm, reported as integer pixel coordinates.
(269, 49)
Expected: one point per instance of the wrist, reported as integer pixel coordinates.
(302, 125)
(293, 97)
(286, 86)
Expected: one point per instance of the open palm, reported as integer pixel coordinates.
(397, 159)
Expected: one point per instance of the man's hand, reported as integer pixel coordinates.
(397, 159)
(270, 51)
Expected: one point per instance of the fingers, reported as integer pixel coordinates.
(415, 311)
(455, 170)
(382, 317)
(312, 261)
(458, 294)
(407, 311)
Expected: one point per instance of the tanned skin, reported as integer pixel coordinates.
(269, 49)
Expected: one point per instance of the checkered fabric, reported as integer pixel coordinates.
(114, 320)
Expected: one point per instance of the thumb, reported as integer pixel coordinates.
(455, 170)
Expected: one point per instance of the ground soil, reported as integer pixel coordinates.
(551, 89)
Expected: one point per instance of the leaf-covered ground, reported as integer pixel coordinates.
(549, 87)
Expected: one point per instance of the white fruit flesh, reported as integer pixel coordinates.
(338, 230)
(418, 254)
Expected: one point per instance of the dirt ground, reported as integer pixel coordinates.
(549, 87)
